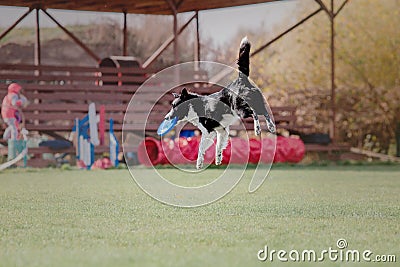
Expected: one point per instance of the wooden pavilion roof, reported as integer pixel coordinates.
(157, 7)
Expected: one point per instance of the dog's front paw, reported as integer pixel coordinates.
(257, 130)
(218, 159)
(272, 129)
(199, 164)
(271, 126)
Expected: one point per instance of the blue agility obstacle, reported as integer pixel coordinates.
(87, 138)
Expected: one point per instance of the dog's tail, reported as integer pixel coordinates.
(244, 56)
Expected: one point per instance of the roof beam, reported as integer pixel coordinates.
(156, 7)
(179, 4)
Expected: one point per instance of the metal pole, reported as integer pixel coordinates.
(37, 45)
(333, 85)
(174, 9)
(176, 48)
(166, 44)
(197, 43)
(125, 37)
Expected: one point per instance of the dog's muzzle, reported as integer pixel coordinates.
(169, 115)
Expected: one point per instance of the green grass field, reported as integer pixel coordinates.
(56, 217)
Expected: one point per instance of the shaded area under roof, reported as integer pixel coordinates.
(157, 7)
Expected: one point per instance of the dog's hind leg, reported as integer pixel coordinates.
(222, 142)
(207, 139)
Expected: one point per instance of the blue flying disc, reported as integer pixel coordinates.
(166, 126)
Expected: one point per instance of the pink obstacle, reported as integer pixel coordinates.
(239, 151)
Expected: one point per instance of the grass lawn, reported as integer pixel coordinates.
(54, 217)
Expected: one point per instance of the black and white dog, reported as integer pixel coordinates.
(213, 114)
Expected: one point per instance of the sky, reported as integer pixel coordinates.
(219, 24)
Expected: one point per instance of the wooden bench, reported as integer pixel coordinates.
(327, 148)
(58, 95)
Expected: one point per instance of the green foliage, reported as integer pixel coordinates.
(296, 69)
(368, 71)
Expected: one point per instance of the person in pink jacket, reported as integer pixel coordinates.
(10, 107)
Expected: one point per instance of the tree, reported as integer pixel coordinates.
(296, 71)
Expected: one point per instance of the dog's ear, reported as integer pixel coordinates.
(184, 92)
(176, 95)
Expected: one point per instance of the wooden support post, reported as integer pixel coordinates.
(197, 44)
(15, 23)
(332, 131)
(176, 45)
(174, 9)
(37, 44)
(73, 37)
(323, 6)
(165, 45)
(125, 37)
(397, 136)
(332, 14)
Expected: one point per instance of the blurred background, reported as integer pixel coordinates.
(295, 70)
